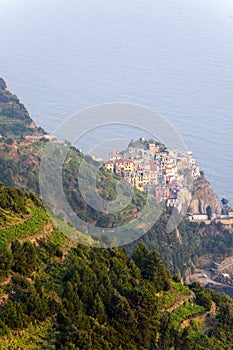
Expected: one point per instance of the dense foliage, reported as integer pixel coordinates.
(100, 299)
(89, 298)
(187, 245)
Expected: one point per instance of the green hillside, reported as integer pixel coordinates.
(58, 295)
(15, 121)
(180, 250)
(19, 166)
(185, 247)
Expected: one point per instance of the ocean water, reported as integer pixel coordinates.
(174, 56)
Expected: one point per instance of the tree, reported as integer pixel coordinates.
(6, 262)
(140, 255)
(98, 309)
(224, 201)
(202, 174)
(209, 212)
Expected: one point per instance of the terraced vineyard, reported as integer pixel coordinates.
(185, 311)
(33, 224)
(56, 294)
(32, 338)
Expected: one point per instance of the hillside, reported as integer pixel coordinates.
(19, 166)
(182, 250)
(57, 296)
(15, 121)
(189, 246)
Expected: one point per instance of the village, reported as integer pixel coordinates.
(166, 175)
(151, 167)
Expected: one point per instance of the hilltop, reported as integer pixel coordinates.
(169, 175)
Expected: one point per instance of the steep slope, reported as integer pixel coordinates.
(52, 297)
(14, 118)
(190, 246)
(181, 250)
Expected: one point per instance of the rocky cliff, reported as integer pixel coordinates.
(204, 196)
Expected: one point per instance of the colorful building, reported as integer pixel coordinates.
(109, 166)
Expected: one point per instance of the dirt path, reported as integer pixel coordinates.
(4, 297)
(179, 302)
(48, 229)
(33, 238)
(203, 319)
(6, 281)
(213, 308)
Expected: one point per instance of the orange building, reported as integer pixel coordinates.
(153, 147)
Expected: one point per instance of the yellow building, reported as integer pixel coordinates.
(128, 165)
(109, 166)
(124, 166)
(137, 180)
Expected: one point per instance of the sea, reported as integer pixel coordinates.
(172, 56)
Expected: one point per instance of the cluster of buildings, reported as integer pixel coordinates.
(152, 168)
(38, 137)
(225, 219)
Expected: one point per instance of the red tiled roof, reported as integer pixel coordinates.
(124, 161)
(153, 167)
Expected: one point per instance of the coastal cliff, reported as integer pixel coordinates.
(19, 166)
(15, 120)
(204, 197)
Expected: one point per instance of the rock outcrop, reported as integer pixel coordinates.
(204, 196)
